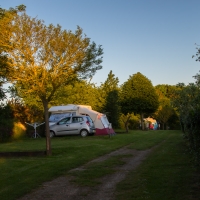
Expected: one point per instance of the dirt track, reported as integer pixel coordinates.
(62, 189)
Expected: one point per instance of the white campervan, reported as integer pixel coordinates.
(103, 127)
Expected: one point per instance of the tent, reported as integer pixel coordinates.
(152, 122)
(103, 127)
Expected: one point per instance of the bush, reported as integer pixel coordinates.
(192, 133)
(6, 123)
(133, 122)
(19, 130)
(5, 133)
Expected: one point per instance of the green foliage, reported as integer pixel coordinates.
(163, 114)
(81, 92)
(133, 122)
(109, 94)
(192, 133)
(187, 103)
(2, 93)
(26, 109)
(6, 122)
(166, 114)
(167, 91)
(112, 108)
(173, 121)
(6, 17)
(138, 95)
(197, 55)
(43, 59)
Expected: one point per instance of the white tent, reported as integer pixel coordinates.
(68, 108)
(103, 127)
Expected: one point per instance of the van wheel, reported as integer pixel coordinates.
(83, 133)
(52, 134)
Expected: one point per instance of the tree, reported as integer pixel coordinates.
(163, 114)
(167, 91)
(46, 58)
(110, 96)
(187, 99)
(24, 110)
(6, 17)
(81, 92)
(197, 55)
(129, 121)
(187, 103)
(165, 111)
(139, 96)
(6, 122)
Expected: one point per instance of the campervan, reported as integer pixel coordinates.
(103, 127)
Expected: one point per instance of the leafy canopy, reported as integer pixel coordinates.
(46, 58)
(6, 17)
(138, 95)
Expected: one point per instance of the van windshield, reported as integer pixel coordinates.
(58, 116)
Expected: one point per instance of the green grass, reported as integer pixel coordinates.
(165, 174)
(20, 175)
(90, 175)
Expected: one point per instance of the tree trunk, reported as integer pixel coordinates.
(126, 124)
(141, 119)
(163, 126)
(46, 116)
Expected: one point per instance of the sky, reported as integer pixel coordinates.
(154, 37)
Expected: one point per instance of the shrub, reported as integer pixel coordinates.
(6, 122)
(19, 130)
(5, 133)
(192, 133)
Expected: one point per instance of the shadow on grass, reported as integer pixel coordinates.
(22, 154)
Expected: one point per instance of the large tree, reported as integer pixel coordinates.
(138, 96)
(45, 58)
(6, 17)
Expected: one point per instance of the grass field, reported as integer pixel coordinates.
(167, 173)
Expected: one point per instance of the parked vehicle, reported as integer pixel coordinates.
(101, 123)
(73, 125)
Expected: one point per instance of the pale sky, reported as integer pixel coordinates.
(154, 37)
